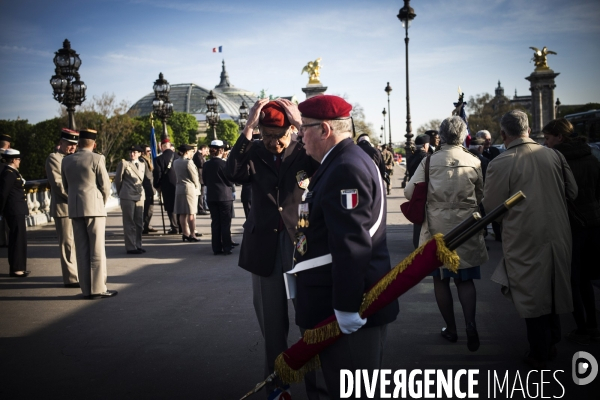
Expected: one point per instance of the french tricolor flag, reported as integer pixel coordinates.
(349, 198)
(218, 49)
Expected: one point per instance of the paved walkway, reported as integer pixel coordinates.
(183, 324)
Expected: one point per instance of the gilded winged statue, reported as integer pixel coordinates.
(540, 58)
(313, 69)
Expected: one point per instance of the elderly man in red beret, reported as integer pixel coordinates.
(278, 169)
(341, 248)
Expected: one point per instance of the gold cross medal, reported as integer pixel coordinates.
(302, 179)
(301, 245)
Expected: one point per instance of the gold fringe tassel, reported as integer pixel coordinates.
(289, 375)
(449, 258)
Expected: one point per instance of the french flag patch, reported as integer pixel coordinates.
(349, 198)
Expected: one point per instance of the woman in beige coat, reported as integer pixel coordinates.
(455, 189)
(187, 191)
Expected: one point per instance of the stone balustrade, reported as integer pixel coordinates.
(38, 200)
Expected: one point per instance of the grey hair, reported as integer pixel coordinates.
(453, 130)
(515, 124)
(341, 125)
(483, 133)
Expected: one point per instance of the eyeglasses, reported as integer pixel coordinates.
(267, 138)
(303, 127)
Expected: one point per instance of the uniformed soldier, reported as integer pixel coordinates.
(364, 142)
(341, 248)
(146, 157)
(278, 170)
(87, 183)
(165, 180)
(13, 208)
(59, 207)
(219, 197)
(129, 180)
(388, 160)
(4, 144)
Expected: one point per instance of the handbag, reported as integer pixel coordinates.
(414, 209)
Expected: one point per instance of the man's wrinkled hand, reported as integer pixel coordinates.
(254, 117)
(292, 112)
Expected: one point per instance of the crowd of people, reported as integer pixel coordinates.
(315, 230)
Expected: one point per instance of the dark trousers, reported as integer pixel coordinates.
(17, 242)
(148, 205)
(583, 270)
(220, 226)
(542, 333)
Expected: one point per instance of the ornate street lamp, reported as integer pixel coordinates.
(556, 108)
(381, 136)
(388, 90)
(161, 105)
(68, 89)
(212, 112)
(406, 15)
(243, 115)
(383, 126)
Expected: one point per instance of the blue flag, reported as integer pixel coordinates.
(153, 143)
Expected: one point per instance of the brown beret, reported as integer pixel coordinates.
(88, 134)
(273, 115)
(325, 107)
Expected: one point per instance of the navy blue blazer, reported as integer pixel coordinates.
(345, 200)
(13, 200)
(218, 185)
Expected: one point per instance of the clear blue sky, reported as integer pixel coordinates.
(124, 44)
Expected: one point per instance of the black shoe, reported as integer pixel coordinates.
(218, 253)
(197, 234)
(108, 293)
(137, 251)
(23, 275)
(451, 337)
(235, 244)
(228, 252)
(472, 337)
(203, 213)
(173, 232)
(72, 285)
(152, 230)
(142, 249)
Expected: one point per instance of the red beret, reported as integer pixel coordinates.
(165, 140)
(325, 107)
(273, 115)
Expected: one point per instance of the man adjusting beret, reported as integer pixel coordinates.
(341, 245)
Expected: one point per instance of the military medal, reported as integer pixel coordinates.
(301, 245)
(302, 179)
(303, 215)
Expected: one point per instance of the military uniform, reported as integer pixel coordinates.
(148, 194)
(87, 183)
(165, 180)
(59, 210)
(276, 185)
(340, 246)
(13, 208)
(129, 180)
(220, 202)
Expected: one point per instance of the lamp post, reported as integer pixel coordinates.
(388, 90)
(557, 106)
(68, 89)
(161, 105)
(243, 115)
(406, 15)
(381, 136)
(383, 126)
(212, 112)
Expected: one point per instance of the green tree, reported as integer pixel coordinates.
(361, 125)
(485, 112)
(185, 128)
(35, 144)
(227, 130)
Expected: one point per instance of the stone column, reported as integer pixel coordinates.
(542, 101)
(314, 89)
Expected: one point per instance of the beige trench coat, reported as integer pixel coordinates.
(455, 189)
(536, 236)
